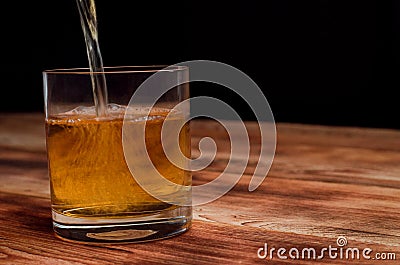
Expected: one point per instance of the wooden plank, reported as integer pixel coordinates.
(29, 240)
(325, 182)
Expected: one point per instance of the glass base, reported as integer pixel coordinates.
(123, 230)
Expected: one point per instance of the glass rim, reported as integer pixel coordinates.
(118, 69)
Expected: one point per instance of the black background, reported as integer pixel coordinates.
(321, 62)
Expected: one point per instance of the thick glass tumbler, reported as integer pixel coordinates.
(94, 195)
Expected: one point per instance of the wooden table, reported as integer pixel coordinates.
(325, 183)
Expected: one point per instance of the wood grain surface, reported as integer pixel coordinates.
(325, 183)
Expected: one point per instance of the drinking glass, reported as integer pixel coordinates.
(95, 197)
